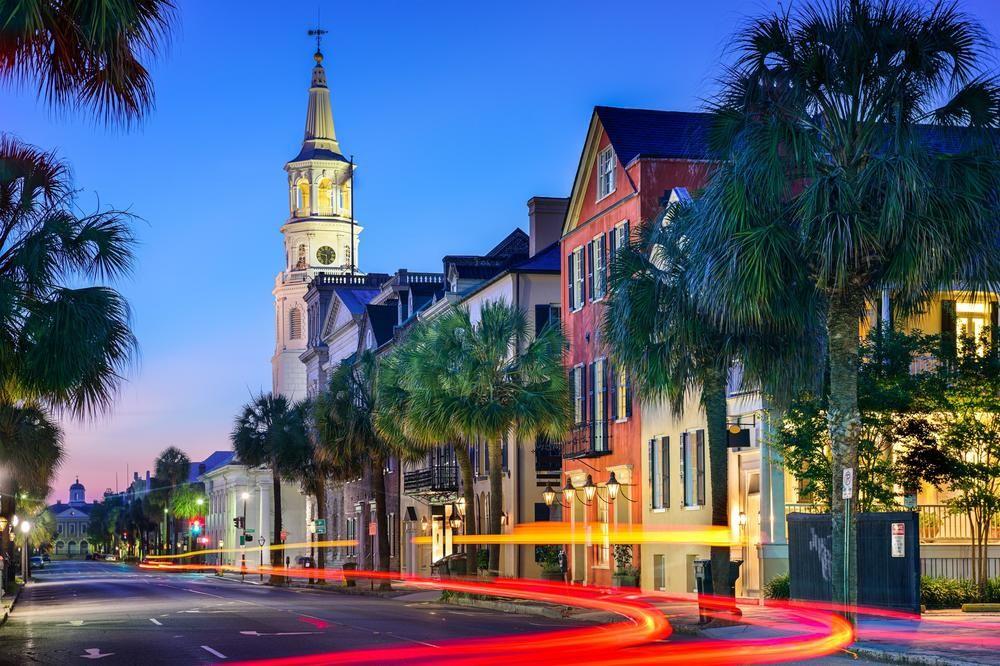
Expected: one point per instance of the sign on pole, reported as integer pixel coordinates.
(898, 539)
(249, 531)
(321, 526)
(848, 487)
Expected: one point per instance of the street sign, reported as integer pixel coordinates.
(898, 539)
(321, 526)
(261, 541)
(848, 490)
(249, 531)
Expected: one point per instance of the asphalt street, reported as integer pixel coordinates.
(80, 612)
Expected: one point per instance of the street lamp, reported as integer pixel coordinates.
(460, 505)
(569, 492)
(14, 520)
(25, 564)
(549, 495)
(424, 524)
(589, 489)
(613, 487)
(200, 501)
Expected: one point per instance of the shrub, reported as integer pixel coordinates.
(779, 587)
(947, 592)
(992, 591)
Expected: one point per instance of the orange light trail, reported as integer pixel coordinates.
(564, 533)
(257, 549)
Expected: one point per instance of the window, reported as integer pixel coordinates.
(598, 405)
(324, 196)
(575, 279)
(295, 324)
(302, 196)
(659, 472)
(546, 314)
(300, 261)
(619, 238)
(693, 467)
(621, 394)
(597, 268)
(963, 324)
(659, 572)
(605, 173)
(578, 391)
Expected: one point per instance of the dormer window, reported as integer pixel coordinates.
(605, 172)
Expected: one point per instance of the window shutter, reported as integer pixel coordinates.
(683, 469)
(665, 461)
(613, 374)
(572, 392)
(652, 473)
(590, 270)
(503, 455)
(624, 235)
(700, 453)
(582, 389)
(541, 317)
(948, 334)
(570, 284)
(628, 395)
(604, 265)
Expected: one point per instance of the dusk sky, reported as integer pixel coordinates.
(456, 113)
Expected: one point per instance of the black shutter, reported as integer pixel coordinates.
(652, 473)
(628, 394)
(604, 265)
(541, 317)
(590, 271)
(665, 452)
(624, 237)
(948, 336)
(503, 454)
(613, 374)
(572, 391)
(686, 501)
(701, 462)
(570, 284)
(591, 403)
(994, 327)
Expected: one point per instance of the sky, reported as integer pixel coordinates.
(456, 113)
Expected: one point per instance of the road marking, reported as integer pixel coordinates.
(73, 623)
(156, 622)
(95, 653)
(413, 640)
(215, 652)
(280, 633)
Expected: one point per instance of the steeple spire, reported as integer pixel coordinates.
(320, 140)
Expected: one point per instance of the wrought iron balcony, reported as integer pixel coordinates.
(437, 482)
(590, 439)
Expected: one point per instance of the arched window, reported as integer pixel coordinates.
(295, 324)
(302, 197)
(300, 262)
(325, 202)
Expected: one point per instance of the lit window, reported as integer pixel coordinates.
(970, 320)
(302, 196)
(605, 172)
(324, 196)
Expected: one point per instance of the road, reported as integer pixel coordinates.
(112, 613)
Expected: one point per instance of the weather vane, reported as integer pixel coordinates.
(318, 34)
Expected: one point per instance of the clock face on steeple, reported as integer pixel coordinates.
(326, 255)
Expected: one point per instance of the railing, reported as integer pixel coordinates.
(588, 440)
(406, 277)
(373, 280)
(438, 478)
(939, 523)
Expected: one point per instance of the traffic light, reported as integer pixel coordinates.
(239, 522)
(195, 527)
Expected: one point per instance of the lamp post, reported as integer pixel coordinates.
(166, 530)
(25, 564)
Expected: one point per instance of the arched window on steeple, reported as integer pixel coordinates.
(325, 203)
(300, 261)
(302, 197)
(295, 323)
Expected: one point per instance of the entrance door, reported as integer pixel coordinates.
(751, 561)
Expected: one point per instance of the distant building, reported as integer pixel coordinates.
(72, 521)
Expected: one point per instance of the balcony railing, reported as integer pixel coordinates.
(434, 480)
(588, 440)
(938, 523)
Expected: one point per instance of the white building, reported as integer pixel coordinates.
(320, 234)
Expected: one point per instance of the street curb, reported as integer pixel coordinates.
(336, 589)
(10, 609)
(893, 657)
(551, 611)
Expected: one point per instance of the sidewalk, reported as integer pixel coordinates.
(9, 599)
(941, 638)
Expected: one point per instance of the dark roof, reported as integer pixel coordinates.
(382, 319)
(635, 132)
(214, 461)
(356, 299)
(545, 261)
(516, 243)
(312, 153)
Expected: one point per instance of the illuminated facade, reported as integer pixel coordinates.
(320, 234)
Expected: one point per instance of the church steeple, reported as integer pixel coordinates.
(320, 140)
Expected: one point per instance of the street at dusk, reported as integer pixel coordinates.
(475, 334)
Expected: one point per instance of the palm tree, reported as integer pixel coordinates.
(172, 467)
(349, 441)
(312, 471)
(64, 343)
(656, 331)
(78, 54)
(857, 156)
(496, 381)
(271, 432)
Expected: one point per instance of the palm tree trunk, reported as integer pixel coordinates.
(381, 520)
(713, 399)
(495, 449)
(321, 514)
(276, 537)
(465, 465)
(844, 423)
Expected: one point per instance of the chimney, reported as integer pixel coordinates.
(135, 476)
(545, 219)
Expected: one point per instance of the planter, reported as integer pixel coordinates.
(624, 580)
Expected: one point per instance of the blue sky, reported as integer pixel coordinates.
(457, 113)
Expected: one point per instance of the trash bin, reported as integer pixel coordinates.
(706, 587)
(349, 580)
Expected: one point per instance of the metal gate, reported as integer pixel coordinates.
(888, 552)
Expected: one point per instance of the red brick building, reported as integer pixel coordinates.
(631, 160)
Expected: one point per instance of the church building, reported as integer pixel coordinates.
(320, 234)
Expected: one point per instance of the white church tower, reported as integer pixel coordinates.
(320, 233)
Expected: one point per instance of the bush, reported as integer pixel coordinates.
(778, 588)
(992, 591)
(948, 592)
